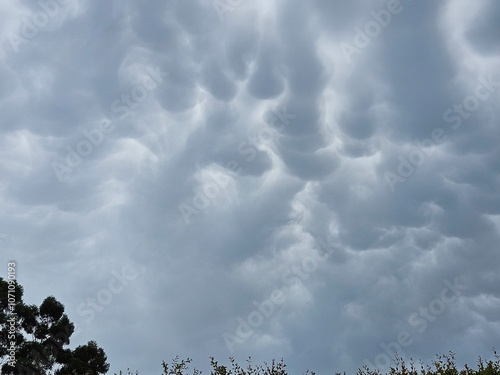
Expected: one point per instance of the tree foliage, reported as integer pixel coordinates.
(442, 365)
(40, 335)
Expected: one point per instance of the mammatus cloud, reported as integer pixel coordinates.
(316, 181)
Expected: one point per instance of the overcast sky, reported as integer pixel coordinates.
(314, 180)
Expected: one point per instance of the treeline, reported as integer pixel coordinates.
(442, 365)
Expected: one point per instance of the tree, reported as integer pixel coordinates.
(39, 335)
(85, 359)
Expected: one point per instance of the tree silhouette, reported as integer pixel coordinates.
(442, 365)
(39, 336)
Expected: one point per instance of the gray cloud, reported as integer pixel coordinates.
(221, 180)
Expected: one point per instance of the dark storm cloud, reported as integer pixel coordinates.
(217, 155)
(267, 82)
(481, 34)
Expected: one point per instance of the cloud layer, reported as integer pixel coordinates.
(316, 180)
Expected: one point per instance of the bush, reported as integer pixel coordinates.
(442, 365)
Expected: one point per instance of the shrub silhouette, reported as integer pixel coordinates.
(442, 365)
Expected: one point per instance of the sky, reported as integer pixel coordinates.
(309, 180)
